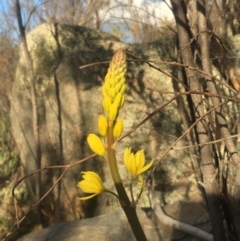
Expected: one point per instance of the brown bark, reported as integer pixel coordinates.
(221, 121)
(207, 167)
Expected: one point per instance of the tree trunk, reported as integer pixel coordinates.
(221, 121)
(208, 169)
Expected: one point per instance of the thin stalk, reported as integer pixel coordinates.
(129, 210)
(131, 193)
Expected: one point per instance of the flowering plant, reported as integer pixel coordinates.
(110, 128)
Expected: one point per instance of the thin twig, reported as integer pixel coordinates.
(65, 167)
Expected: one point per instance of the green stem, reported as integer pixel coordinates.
(113, 193)
(129, 209)
(131, 192)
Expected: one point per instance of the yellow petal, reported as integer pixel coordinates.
(88, 197)
(118, 128)
(102, 125)
(91, 176)
(131, 166)
(91, 183)
(139, 159)
(127, 153)
(135, 163)
(89, 187)
(96, 144)
(145, 168)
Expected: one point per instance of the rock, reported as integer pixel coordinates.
(114, 226)
(69, 103)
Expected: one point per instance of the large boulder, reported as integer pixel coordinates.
(114, 227)
(69, 103)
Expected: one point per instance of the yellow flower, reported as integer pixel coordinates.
(91, 183)
(96, 144)
(102, 125)
(118, 128)
(135, 163)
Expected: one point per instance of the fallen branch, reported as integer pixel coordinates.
(163, 218)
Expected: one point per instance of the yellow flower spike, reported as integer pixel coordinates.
(91, 183)
(118, 128)
(115, 76)
(102, 125)
(135, 163)
(96, 144)
(119, 59)
(113, 112)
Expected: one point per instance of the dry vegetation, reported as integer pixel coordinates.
(219, 25)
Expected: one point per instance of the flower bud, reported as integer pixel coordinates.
(96, 144)
(102, 125)
(118, 128)
(113, 112)
(106, 103)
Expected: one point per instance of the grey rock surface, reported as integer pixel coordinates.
(114, 226)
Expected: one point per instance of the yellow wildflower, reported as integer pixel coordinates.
(91, 183)
(135, 163)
